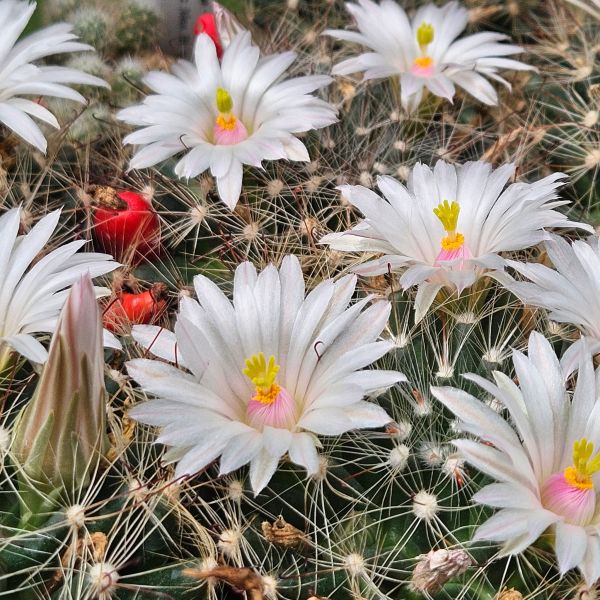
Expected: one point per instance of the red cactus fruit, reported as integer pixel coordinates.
(125, 225)
(129, 309)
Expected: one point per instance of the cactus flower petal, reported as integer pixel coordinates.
(32, 290)
(423, 51)
(547, 461)
(272, 371)
(19, 77)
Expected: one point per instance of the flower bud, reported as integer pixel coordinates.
(227, 25)
(220, 25)
(61, 432)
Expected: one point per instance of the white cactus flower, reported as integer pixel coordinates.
(569, 292)
(546, 462)
(450, 225)
(424, 53)
(268, 373)
(223, 115)
(20, 77)
(33, 290)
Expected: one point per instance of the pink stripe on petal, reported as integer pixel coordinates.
(421, 71)
(462, 253)
(228, 137)
(576, 505)
(280, 413)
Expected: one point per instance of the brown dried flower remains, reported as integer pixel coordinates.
(282, 533)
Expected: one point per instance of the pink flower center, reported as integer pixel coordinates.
(276, 408)
(423, 66)
(460, 253)
(228, 129)
(575, 503)
(571, 493)
(271, 404)
(453, 245)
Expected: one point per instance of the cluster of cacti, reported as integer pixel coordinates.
(335, 438)
(125, 37)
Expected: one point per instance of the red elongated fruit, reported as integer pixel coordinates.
(129, 309)
(125, 225)
(206, 23)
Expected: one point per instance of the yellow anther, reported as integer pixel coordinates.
(424, 34)
(226, 122)
(448, 214)
(224, 101)
(261, 373)
(584, 466)
(423, 62)
(453, 241)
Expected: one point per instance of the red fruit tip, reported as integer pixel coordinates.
(207, 24)
(104, 196)
(128, 309)
(159, 291)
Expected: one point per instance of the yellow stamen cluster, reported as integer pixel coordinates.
(423, 62)
(225, 120)
(263, 374)
(424, 34)
(584, 466)
(448, 213)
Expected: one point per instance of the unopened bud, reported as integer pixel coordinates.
(61, 432)
(227, 25)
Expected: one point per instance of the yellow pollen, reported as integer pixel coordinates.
(227, 121)
(267, 397)
(424, 34)
(453, 242)
(579, 475)
(263, 374)
(423, 62)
